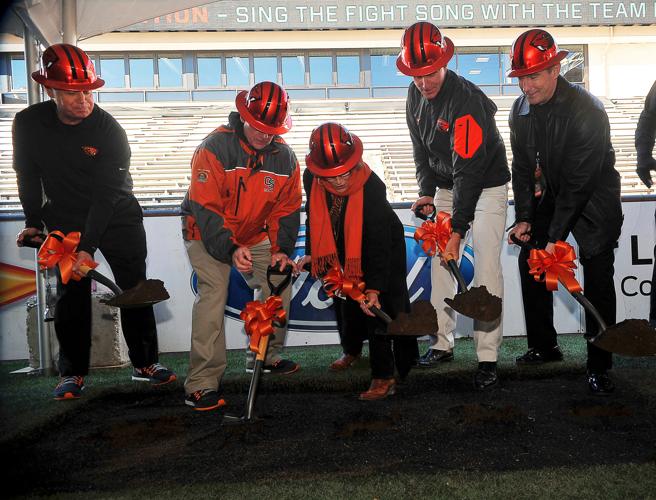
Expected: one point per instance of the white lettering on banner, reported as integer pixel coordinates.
(606, 11)
(439, 12)
(261, 14)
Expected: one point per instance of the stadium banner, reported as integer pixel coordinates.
(312, 319)
(255, 15)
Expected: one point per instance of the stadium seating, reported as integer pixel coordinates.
(163, 139)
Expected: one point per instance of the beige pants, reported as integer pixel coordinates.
(487, 230)
(207, 359)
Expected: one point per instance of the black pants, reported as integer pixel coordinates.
(124, 247)
(385, 352)
(599, 288)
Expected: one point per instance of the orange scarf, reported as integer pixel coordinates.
(323, 248)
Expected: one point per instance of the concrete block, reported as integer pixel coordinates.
(108, 348)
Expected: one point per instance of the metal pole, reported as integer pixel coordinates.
(43, 328)
(69, 21)
(31, 64)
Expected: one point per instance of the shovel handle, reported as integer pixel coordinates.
(30, 241)
(100, 278)
(381, 314)
(455, 270)
(275, 271)
(419, 214)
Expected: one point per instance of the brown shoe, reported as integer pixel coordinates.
(380, 388)
(343, 363)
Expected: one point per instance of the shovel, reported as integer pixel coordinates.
(248, 416)
(145, 293)
(477, 302)
(631, 337)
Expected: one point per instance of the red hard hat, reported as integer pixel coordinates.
(67, 67)
(423, 50)
(333, 150)
(533, 51)
(265, 107)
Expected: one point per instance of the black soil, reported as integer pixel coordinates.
(434, 424)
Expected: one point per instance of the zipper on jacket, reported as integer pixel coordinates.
(242, 184)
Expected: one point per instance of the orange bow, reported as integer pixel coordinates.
(259, 318)
(434, 235)
(60, 249)
(552, 268)
(334, 283)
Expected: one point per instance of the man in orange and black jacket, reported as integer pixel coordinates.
(243, 210)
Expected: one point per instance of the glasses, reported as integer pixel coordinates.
(337, 178)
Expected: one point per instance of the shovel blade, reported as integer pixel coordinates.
(422, 320)
(146, 293)
(477, 303)
(631, 337)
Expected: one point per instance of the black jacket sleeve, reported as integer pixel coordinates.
(28, 175)
(645, 133)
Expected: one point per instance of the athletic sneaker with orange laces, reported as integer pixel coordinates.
(204, 400)
(156, 374)
(69, 388)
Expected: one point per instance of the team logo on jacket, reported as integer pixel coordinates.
(269, 184)
(442, 125)
(90, 151)
(202, 175)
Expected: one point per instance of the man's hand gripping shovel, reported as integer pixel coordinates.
(58, 249)
(260, 318)
(631, 337)
(476, 302)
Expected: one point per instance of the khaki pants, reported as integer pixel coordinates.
(487, 236)
(207, 358)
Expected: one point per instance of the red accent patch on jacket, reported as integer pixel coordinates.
(468, 136)
(442, 125)
(90, 151)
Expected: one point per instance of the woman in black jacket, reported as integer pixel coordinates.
(350, 223)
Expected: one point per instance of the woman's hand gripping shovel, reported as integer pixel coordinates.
(259, 321)
(477, 302)
(631, 337)
(58, 249)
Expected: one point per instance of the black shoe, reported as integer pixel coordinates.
(204, 400)
(538, 356)
(156, 374)
(600, 384)
(486, 375)
(282, 367)
(69, 388)
(434, 357)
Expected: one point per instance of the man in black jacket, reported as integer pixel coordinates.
(78, 156)
(645, 135)
(564, 180)
(462, 169)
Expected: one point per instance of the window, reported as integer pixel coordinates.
(479, 68)
(321, 70)
(348, 70)
(572, 66)
(209, 71)
(170, 71)
(237, 71)
(112, 70)
(18, 74)
(293, 70)
(141, 72)
(265, 69)
(384, 72)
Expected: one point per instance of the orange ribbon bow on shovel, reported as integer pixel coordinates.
(59, 249)
(260, 319)
(434, 235)
(551, 268)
